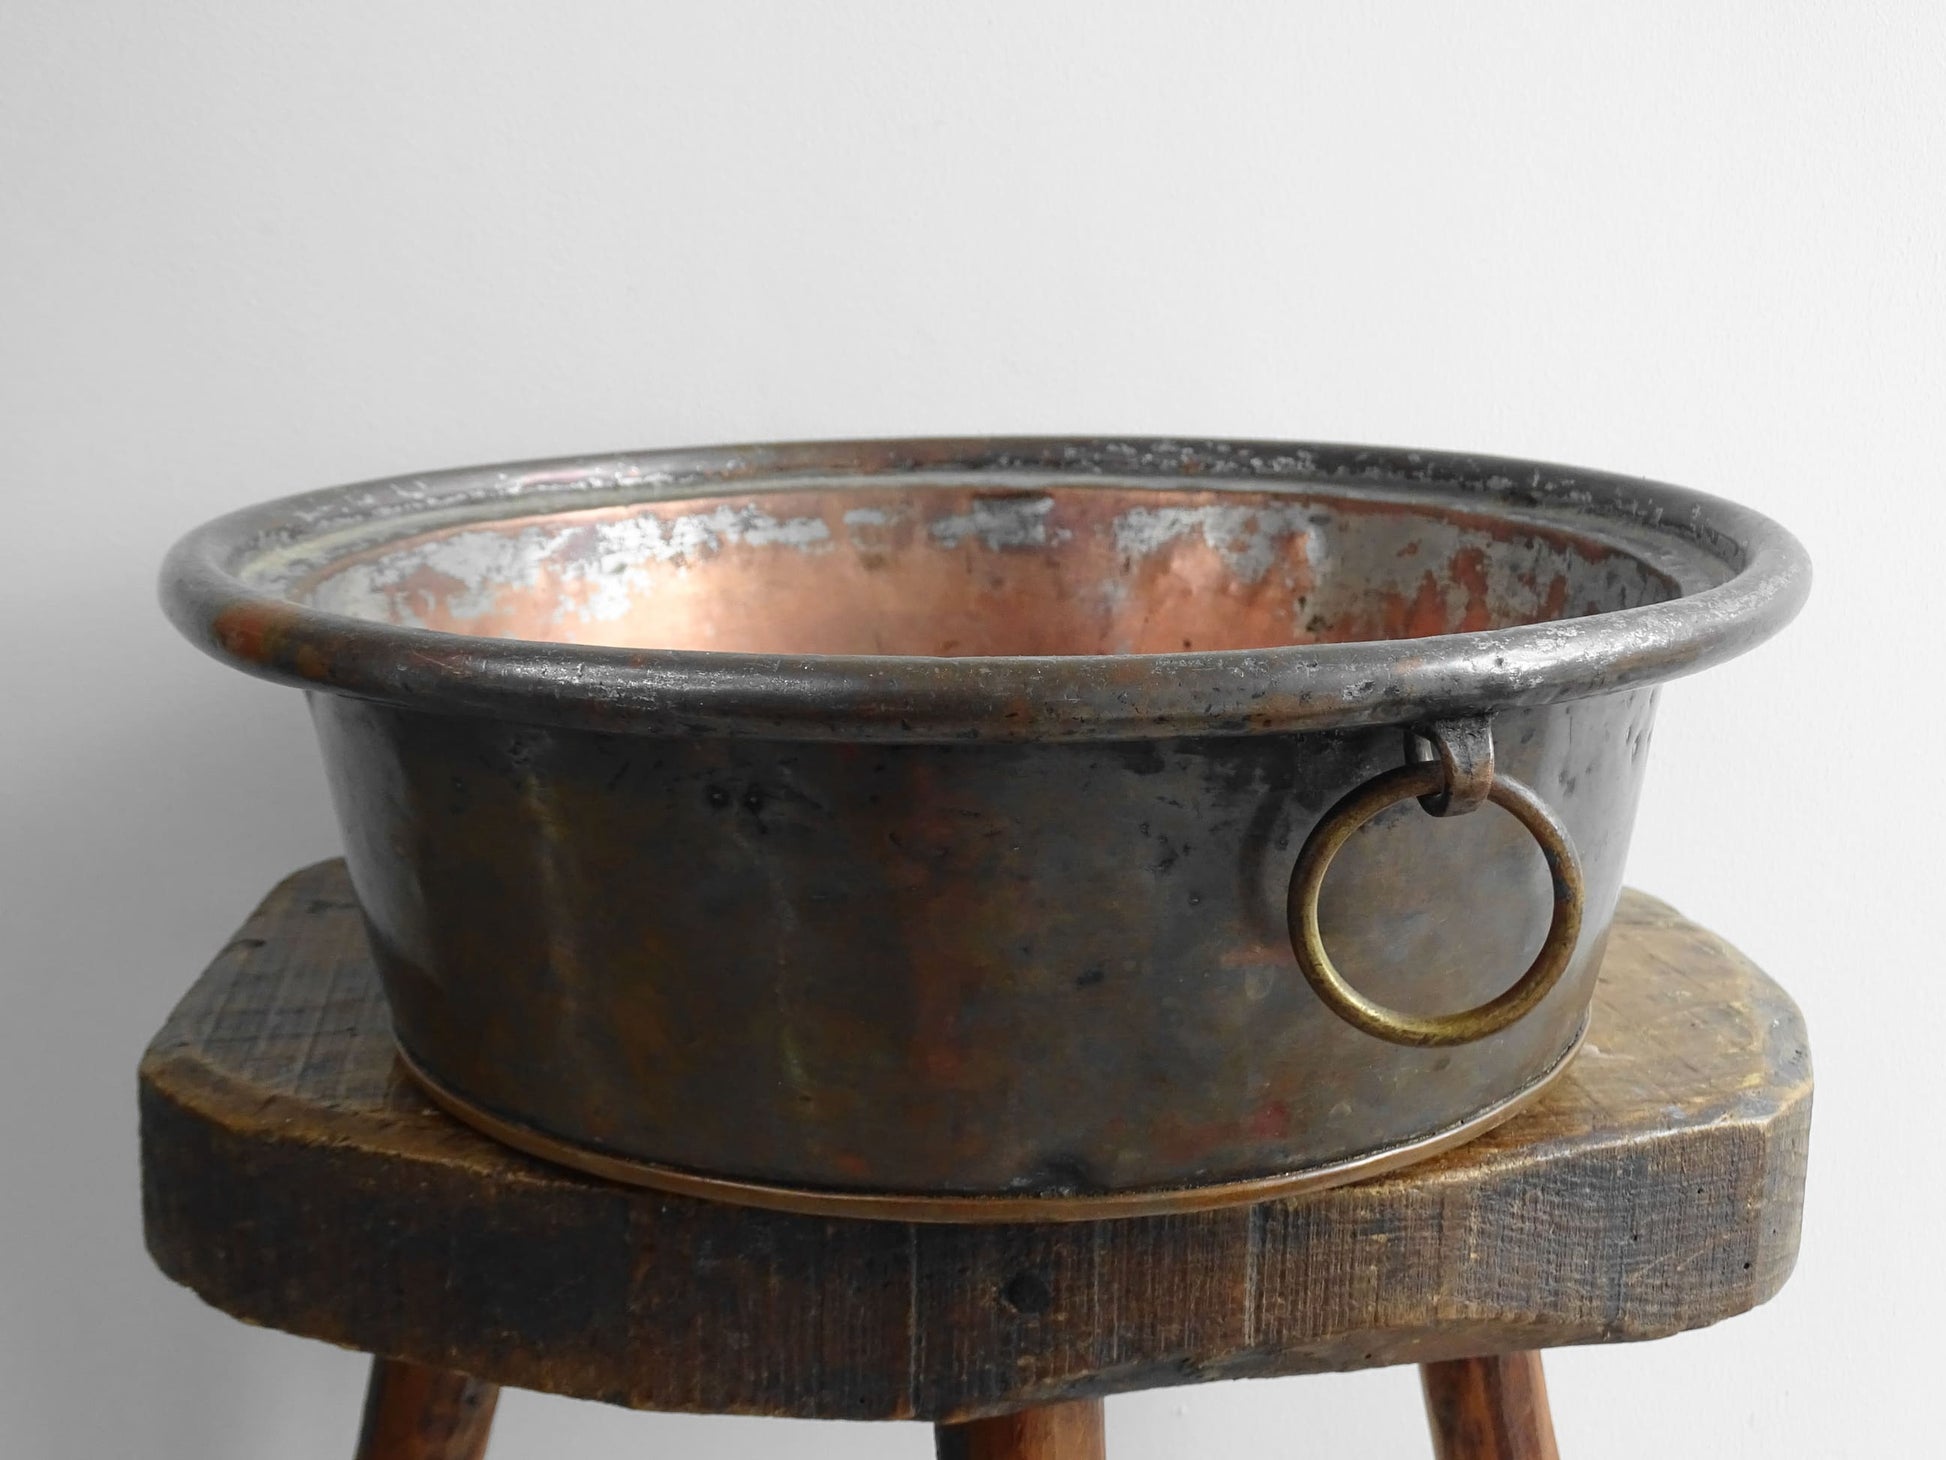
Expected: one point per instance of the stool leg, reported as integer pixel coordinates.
(1489, 1409)
(416, 1413)
(1047, 1432)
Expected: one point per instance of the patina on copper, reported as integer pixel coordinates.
(906, 827)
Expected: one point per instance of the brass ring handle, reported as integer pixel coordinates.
(1328, 837)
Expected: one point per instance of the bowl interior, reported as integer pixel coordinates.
(967, 569)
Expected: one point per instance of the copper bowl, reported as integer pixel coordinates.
(963, 829)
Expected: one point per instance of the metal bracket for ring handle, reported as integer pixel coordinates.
(1452, 778)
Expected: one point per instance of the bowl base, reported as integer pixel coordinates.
(966, 1207)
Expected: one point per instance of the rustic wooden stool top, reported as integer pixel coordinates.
(293, 1177)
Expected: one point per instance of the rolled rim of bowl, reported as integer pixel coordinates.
(1748, 577)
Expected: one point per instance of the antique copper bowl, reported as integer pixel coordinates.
(965, 829)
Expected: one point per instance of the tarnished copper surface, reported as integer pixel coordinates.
(913, 822)
(956, 970)
(890, 1206)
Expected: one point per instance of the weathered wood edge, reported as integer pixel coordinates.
(488, 1263)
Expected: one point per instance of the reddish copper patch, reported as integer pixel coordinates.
(963, 570)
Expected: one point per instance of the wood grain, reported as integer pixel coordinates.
(1491, 1408)
(416, 1413)
(1070, 1431)
(292, 1176)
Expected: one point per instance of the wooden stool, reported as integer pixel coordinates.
(293, 1177)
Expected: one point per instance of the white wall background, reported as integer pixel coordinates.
(251, 248)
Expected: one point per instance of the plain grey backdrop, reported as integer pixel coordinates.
(251, 248)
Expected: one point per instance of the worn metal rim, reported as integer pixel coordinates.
(1743, 579)
(923, 1207)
